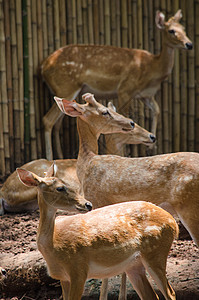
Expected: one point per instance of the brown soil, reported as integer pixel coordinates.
(26, 270)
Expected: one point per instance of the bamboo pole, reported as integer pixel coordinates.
(96, 22)
(118, 23)
(50, 27)
(26, 83)
(20, 72)
(90, 23)
(146, 18)
(74, 21)
(176, 98)
(39, 98)
(15, 80)
(113, 24)
(124, 23)
(9, 81)
(79, 23)
(170, 97)
(4, 141)
(85, 23)
(183, 88)
(157, 49)
(140, 45)
(165, 104)
(56, 24)
(107, 22)
(129, 13)
(101, 22)
(197, 74)
(33, 63)
(62, 16)
(191, 80)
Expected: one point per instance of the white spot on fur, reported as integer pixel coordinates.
(152, 228)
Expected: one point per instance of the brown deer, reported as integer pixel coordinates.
(130, 237)
(109, 70)
(171, 179)
(16, 197)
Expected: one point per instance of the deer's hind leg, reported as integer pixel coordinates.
(139, 281)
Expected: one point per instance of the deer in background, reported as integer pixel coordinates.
(109, 70)
(16, 197)
(129, 237)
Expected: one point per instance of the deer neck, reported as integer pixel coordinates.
(88, 145)
(166, 57)
(46, 224)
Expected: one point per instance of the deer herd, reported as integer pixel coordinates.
(117, 224)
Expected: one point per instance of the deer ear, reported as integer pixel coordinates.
(111, 106)
(178, 15)
(28, 178)
(70, 108)
(159, 19)
(52, 170)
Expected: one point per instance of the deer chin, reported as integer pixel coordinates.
(81, 209)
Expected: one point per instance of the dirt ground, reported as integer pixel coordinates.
(27, 276)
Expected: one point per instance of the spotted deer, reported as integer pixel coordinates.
(109, 70)
(130, 237)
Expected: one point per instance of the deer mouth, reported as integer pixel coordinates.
(126, 130)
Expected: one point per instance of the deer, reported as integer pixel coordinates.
(129, 237)
(16, 197)
(166, 179)
(111, 71)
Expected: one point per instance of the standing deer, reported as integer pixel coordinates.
(109, 70)
(171, 179)
(16, 197)
(130, 237)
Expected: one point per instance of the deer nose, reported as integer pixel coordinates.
(3, 271)
(153, 138)
(89, 206)
(132, 124)
(189, 46)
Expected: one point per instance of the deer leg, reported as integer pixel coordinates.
(65, 289)
(49, 121)
(122, 294)
(77, 287)
(139, 281)
(157, 270)
(189, 217)
(57, 137)
(104, 289)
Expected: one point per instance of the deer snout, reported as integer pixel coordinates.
(89, 206)
(152, 138)
(189, 46)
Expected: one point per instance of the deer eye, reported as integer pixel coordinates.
(172, 31)
(104, 113)
(62, 188)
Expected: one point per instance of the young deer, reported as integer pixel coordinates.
(130, 237)
(16, 197)
(171, 179)
(109, 70)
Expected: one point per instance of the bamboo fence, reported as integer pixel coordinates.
(32, 29)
